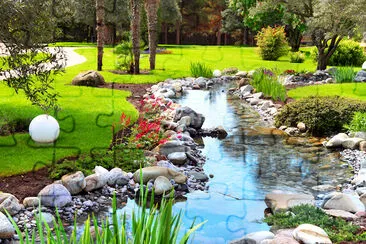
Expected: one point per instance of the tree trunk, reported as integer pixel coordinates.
(325, 51)
(151, 7)
(135, 34)
(177, 28)
(245, 36)
(165, 33)
(100, 31)
(219, 33)
(294, 38)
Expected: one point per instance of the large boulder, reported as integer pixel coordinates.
(178, 158)
(10, 203)
(118, 177)
(151, 173)
(337, 140)
(54, 195)
(197, 119)
(74, 183)
(254, 238)
(361, 76)
(97, 180)
(88, 78)
(162, 185)
(310, 234)
(345, 202)
(284, 201)
(6, 228)
(352, 143)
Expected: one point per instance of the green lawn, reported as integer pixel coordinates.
(352, 90)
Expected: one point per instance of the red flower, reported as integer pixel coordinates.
(162, 141)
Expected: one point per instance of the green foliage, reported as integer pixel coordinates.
(266, 81)
(358, 122)
(348, 53)
(322, 115)
(200, 70)
(336, 228)
(272, 43)
(152, 226)
(344, 74)
(297, 57)
(124, 56)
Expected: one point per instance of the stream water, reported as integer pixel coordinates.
(252, 161)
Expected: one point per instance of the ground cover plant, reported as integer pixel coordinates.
(321, 115)
(358, 122)
(337, 229)
(266, 81)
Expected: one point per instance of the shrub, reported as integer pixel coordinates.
(266, 81)
(322, 115)
(297, 57)
(348, 53)
(344, 74)
(336, 228)
(272, 43)
(200, 70)
(124, 56)
(358, 122)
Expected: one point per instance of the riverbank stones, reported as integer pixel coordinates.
(10, 203)
(284, 201)
(54, 195)
(6, 228)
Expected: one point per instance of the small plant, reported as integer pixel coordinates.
(322, 115)
(266, 81)
(297, 57)
(344, 74)
(337, 229)
(272, 43)
(125, 56)
(200, 70)
(289, 72)
(358, 123)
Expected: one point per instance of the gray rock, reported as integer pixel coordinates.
(307, 233)
(6, 228)
(54, 195)
(166, 93)
(178, 158)
(352, 143)
(31, 202)
(241, 74)
(323, 188)
(361, 76)
(258, 95)
(360, 178)
(10, 203)
(337, 140)
(291, 131)
(186, 120)
(167, 164)
(151, 173)
(88, 78)
(171, 147)
(74, 183)
(301, 126)
(201, 82)
(266, 105)
(246, 89)
(254, 238)
(253, 101)
(162, 185)
(198, 176)
(360, 134)
(330, 80)
(47, 217)
(117, 176)
(284, 201)
(346, 202)
(197, 119)
(341, 214)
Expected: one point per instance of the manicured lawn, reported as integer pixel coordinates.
(352, 90)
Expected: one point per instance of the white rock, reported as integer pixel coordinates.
(337, 140)
(364, 65)
(360, 178)
(301, 126)
(6, 228)
(246, 89)
(254, 238)
(310, 234)
(74, 183)
(178, 158)
(345, 202)
(216, 73)
(162, 185)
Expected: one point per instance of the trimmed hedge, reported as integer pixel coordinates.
(321, 115)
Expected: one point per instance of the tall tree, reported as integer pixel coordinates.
(135, 33)
(100, 12)
(151, 7)
(169, 14)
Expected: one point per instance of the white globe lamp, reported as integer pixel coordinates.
(217, 73)
(44, 129)
(364, 65)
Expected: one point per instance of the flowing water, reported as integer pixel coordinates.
(252, 161)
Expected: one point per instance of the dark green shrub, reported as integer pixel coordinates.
(344, 74)
(272, 43)
(124, 56)
(297, 57)
(200, 70)
(348, 53)
(322, 115)
(358, 122)
(266, 81)
(336, 228)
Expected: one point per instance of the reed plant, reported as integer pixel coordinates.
(344, 74)
(201, 70)
(267, 82)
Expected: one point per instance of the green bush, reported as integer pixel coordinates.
(297, 57)
(201, 70)
(266, 81)
(124, 56)
(321, 115)
(344, 74)
(348, 53)
(358, 122)
(272, 43)
(337, 229)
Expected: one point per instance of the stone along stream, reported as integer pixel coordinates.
(252, 161)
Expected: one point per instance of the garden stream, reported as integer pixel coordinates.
(252, 161)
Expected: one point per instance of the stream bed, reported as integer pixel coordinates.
(252, 161)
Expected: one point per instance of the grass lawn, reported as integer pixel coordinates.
(352, 90)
